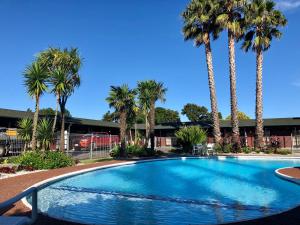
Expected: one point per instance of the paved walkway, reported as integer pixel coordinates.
(12, 186)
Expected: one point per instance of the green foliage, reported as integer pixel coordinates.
(247, 150)
(224, 148)
(136, 150)
(241, 116)
(196, 113)
(283, 151)
(25, 129)
(263, 21)
(132, 151)
(189, 136)
(111, 117)
(121, 98)
(44, 133)
(44, 160)
(199, 20)
(36, 77)
(51, 112)
(163, 115)
(115, 152)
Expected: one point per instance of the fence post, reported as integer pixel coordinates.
(91, 149)
(110, 145)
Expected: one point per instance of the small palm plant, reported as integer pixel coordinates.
(263, 22)
(44, 133)
(25, 130)
(189, 136)
(36, 77)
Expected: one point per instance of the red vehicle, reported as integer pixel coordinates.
(98, 140)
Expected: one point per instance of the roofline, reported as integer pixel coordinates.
(268, 122)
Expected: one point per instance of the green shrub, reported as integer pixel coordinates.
(283, 151)
(44, 160)
(269, 151)
(115, 152)
(132, 151)
(136, 150)
(189, 136)
(246, 150)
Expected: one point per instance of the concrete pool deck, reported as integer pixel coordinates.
(10, 187)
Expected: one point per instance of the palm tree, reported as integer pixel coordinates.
(62, 65)
(44, 134)
(262, 22)
(150, 92)
(25, 130)
(121, 98)
(144, 105)
(199, 25)
(230, 18)
(36, 77)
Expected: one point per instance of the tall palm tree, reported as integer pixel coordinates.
(199, 25)
(230, 18)
(36, 77)
(58, 62)
(262, 22)
(122, 98)
(150, 92)
(144, 104)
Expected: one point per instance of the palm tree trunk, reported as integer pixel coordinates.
(233, 98)
(35, 122)
(55, 117)
(62, 130)
(259, 142)
(130, 136)
(152, 124)
(212, 90)
(146, 129)
(123, 133)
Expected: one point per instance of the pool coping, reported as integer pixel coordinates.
(287, 177)
(54, 179)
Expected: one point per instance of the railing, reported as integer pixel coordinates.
(31, 191)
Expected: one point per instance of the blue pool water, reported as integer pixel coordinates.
(191, 191)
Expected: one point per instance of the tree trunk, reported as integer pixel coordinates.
(130, 136)
(212, 91)
(146, 129)
(152, 124)
(35, 123)
(62, 130)
(233, 97)
(259, 139)
(55, 117)
(123, 127)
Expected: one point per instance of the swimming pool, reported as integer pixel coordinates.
(177, 191)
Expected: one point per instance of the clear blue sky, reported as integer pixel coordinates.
(126, 41)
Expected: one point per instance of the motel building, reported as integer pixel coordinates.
(285, 130)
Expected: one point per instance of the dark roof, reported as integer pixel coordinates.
(274, 122)
(17, 114)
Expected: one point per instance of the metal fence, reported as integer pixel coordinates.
(89, 146)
